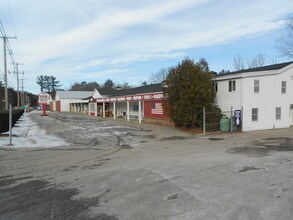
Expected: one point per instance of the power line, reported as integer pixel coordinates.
(6, 46)
(10, 52)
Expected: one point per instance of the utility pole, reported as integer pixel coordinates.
(5, 70)
(26, 101)
(17, 75)
(22, 93)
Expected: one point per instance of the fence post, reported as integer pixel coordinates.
(241, 118)
(10, 124)
(231, 120)
(204, 120)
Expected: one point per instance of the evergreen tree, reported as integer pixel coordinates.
(144, 83)
(41, 82)
(223, 71)
(54, 84)
(188, 88)
(108, 84)
(84, 86)
(48, 83)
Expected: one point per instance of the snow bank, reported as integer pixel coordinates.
(30, 135)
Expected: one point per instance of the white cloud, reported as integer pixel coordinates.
(75, 38)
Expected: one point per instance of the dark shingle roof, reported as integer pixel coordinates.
(132, 91)
(107, 91)
(258, 69)
(140, 90)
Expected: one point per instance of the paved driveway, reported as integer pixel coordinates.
(110, 170)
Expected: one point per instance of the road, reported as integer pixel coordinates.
(117, 170)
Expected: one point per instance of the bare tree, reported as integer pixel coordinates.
(203, 64)
(239, 63)
(124, 85)
(274, 61)
(285, 42)
(158, 77)
(257, 61)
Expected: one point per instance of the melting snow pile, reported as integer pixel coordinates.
(29, 135)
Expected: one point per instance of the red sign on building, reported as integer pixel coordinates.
(157, 96)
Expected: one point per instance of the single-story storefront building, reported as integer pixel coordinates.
(144, 103)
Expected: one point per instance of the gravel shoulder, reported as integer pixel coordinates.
(119, 170)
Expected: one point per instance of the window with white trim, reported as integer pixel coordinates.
(232, 85)
(256, 86)
(254, 114)
(278, 113)
(284, 84)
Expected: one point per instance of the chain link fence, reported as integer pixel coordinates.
(231, 121)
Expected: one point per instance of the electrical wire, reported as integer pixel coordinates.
(10, 52)
(10, 84)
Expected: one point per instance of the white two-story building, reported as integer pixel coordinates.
(264, 94)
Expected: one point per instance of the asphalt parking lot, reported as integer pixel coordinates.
(118, 170)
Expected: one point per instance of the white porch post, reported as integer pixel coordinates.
(114, 109)
(81, 110)
(104, 114)
(127, 111)
(96, 109)
(139, 111)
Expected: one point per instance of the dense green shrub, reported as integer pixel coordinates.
(213, 118)
(188, 88)
(4, 119)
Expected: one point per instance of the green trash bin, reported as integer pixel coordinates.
(225, 124)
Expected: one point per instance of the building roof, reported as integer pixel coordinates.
(154, 88)
(107, 91)
(110, 92)
(259, 69)
(74, 94)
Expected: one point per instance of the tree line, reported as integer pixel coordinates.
(90, 86)
(12, 97)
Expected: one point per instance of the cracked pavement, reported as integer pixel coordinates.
(117, 170)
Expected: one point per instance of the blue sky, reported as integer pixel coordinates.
(127, 40)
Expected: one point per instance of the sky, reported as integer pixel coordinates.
(128, 40)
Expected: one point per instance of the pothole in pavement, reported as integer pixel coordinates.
(85, 141)
(265, 147)
(216, 139)
(249, 168)
(172, 197)
(174, 138)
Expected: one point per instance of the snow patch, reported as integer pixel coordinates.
(27, 134)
